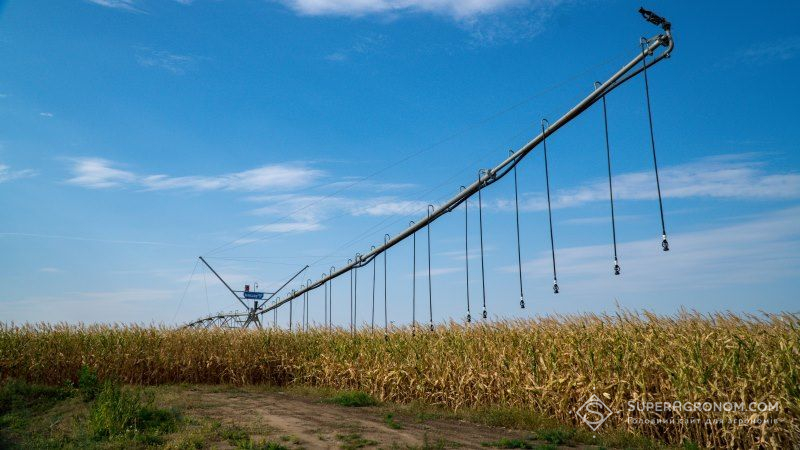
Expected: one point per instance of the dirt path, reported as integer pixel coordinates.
(310, 423)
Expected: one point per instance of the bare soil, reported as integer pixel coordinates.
(305, 421)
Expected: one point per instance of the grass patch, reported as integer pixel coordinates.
(391, 423)
(121, 411)
(353, 399)
(352, 441)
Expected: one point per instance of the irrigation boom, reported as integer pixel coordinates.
(489, 176)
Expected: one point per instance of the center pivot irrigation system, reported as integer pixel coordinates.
(639, 64)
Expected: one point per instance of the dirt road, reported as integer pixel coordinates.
(301, 421)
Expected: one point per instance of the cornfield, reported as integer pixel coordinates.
(547, 365)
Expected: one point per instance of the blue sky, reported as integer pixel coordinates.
(139, 134)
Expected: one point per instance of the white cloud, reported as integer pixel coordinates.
(438, 271)
(454, 8)
(753, 252)
(46, 114)
(727, 176)
(85, 239)
(287, 227)
(388, 207)
(98, 173)
(781, 50)
(6, 174)
(171, 62)
(129, 5)
(362, 46)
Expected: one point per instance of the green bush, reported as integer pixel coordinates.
(117, 411)
(354, 398)
(88, 383)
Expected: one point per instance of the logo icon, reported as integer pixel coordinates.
(594, 412)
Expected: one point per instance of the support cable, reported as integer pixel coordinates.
(645, 47)
(480, 232)
(519, 245)
(610, 188)
(205, 288)
(430, 285)
(466, 251)
(186, 289)
(549, 207)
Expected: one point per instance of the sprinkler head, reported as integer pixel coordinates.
(431, 327)
(522, 303)
(469, 318)
(616, 267)
(555, 287)
(485, 315)
(664, 243)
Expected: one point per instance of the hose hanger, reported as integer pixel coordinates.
(480, 232)
(519, 245)
(303, 311)
(290, 310)
(325, 292)
(549, 207)
(330, 300)
(275, 316)
(413, 281)
(372, 322)
(350, 261)
(355, 291)
(644, 42)
(466, 250)
(308, 304)
(610, 188)
(386, 238)
(430, 286)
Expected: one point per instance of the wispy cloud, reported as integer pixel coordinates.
(454, 8)
(287, 227)
(127, 5)
(736, 176)
(46, 114)
(171, 62)
(389, 207)
(755, 251)
(81, 238)
(766, 52)
(6, 174)
(308, 212)
(130, 5)
(98, 173)
(363, 45)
